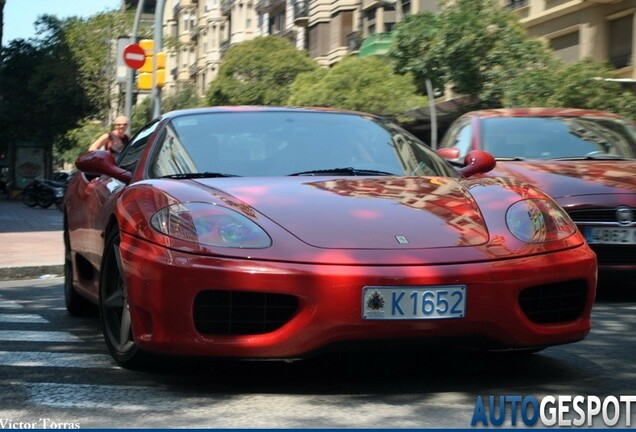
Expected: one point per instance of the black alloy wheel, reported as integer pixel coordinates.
(113, 308)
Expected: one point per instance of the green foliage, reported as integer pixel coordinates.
(481, 50)
(184, 97)
(585, 84)
(258, 72)
(417, 50)
(91, 44)
(76, 141)
(360, 84)
(42, 98)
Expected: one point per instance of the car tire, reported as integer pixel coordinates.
(76, 305)
(113, 309)
(28, 197)
(45, 199)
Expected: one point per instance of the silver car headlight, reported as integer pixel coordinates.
(539, 221)
(210, 224)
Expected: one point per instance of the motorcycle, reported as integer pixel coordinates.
(44, 193)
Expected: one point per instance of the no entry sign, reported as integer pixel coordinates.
(134, 56)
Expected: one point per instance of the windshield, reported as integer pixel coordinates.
(281, 143)
(557, 137)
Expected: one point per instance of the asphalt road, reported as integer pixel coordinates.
(55, 372)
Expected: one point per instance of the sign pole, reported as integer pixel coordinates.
(130, 77)
(158, 45)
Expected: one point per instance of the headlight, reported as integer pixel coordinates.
(209, 224)
(538, 221)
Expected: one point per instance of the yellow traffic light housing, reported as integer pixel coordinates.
(144, 77)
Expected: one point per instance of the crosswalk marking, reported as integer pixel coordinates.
(22, 318)
(50, 359)
(37, 336)
(9, 304)
(102, 396)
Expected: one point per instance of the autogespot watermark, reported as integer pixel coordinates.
(561, 410)
(41, 423)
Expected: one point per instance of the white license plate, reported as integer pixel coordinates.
(422, 302)
(600, 235)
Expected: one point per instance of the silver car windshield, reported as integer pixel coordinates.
(282, 143)
(558, 137)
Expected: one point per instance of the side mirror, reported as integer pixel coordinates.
(102, 162)
(477, 162)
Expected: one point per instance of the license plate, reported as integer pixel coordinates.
(600, 235)
(422, 302)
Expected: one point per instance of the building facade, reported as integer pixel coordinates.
(201, 31)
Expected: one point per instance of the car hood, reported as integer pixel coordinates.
(362, 213)
(572, 178)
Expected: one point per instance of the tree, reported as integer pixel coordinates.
(480, 49)
(473, 45)
(258, 72)
(361, 84)
(584, 84)
(41, 97)
(90, 41)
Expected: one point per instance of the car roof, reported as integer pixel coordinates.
(541, 112)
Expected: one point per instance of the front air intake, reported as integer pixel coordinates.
(554, 303)
(242, 312)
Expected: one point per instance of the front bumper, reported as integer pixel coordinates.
(162, 286)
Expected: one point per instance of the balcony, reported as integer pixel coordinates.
(267, 6)
(376, 44)
(301, 12)
(193, 69)
(226, 6)
(224, 46)
(515, 4)
(354, 39)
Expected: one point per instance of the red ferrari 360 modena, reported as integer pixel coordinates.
(254, 232)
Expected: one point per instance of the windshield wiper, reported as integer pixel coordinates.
(515, 158)
(206, 174)
(348, 171)
(600, 156)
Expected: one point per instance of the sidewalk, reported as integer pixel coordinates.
(31, 241)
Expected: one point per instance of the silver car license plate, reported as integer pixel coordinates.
(607, 235)
(417, 302)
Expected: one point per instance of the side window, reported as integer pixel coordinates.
(129, 158)
(462, 141)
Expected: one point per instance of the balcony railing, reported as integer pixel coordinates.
(301, 12)
(621, 61)
(376, 44)
(516, 4)
(224, 46)
(226, 6)
(354, 39)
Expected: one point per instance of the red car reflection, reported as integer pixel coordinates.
(259, 232)
(585, 160)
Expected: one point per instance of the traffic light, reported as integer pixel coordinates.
(144, 77)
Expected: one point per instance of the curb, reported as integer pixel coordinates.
(34, 272)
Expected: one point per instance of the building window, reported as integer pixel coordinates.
(406, 7)
(620, 41)
(566, 47)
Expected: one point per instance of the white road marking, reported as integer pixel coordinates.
(37, 336)
(22, 318)
(50, 359)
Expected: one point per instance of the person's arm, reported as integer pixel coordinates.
(99, 143)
